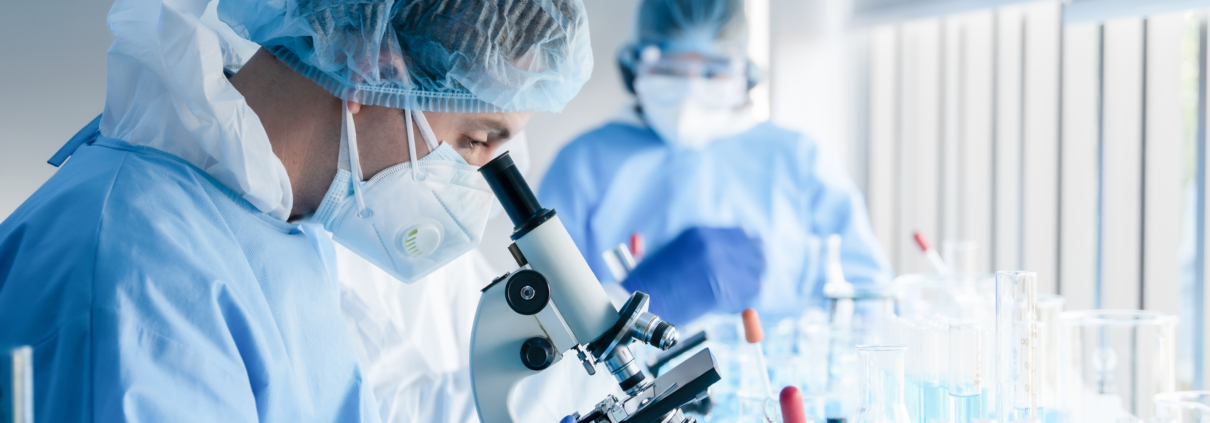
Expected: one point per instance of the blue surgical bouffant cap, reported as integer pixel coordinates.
(716, 28)
(432, 55)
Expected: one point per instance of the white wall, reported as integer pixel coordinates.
(52, 82)
(817, 76)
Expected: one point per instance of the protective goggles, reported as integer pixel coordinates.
(653, 62)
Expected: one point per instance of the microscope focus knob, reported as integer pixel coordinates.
(537, 353)
(527, 292)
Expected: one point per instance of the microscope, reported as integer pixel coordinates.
(528, 319)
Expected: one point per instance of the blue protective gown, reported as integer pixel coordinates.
(621, 178)
(150, 292)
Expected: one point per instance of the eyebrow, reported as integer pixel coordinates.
(493, 124)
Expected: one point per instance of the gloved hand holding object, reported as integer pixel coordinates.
(702, 270)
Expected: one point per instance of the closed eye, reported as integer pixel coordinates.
(474, 143)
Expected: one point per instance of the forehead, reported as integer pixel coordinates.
(502, 122)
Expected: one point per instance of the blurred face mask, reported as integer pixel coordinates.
(690, 111)
(409, 219)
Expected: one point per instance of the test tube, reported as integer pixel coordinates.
(909, 335)
(1016, 346)
(967, 375)
(935, 401)
(1050, 306)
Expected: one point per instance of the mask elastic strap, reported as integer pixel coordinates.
(407, 119)
(425, 130)
(348, 139)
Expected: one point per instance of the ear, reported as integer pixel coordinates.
(354, 107)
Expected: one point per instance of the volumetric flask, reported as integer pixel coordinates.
(1182, 407)
(881, 384)
(1114, 362)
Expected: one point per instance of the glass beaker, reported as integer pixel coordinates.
(1114, 362)
(881, 385)
(1016, 346)
(1182, 407)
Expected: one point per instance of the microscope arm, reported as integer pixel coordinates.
(497, 340)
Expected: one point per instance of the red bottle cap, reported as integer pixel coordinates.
(637, 246)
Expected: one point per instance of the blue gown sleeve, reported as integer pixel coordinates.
(173, 340)
(146, 376)
(837, 207)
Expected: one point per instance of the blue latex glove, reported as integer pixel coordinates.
(702, 270)
(568, 419)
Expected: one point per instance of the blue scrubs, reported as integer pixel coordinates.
(620, 179)
(150, 292)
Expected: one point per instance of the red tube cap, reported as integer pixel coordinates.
(923, 243)
(638, 247)
(752, 330)
(791, 406)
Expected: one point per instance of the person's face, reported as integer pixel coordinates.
(382, 137)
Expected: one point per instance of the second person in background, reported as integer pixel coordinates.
(736, 211)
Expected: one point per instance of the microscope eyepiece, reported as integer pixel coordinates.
(515, 196)
(510, 188)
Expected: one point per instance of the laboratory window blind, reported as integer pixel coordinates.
(1073, 146)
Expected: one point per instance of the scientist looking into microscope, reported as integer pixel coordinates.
(735, 211)
(162, 273)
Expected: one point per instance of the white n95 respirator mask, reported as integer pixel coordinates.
(409, 219)
(690, 111)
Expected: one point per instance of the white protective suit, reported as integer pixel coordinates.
(172, 74)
